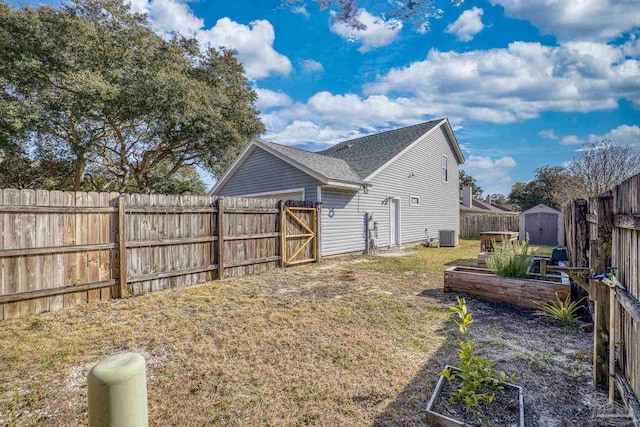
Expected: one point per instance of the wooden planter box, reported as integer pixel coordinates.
(521, 292)
(446, 421)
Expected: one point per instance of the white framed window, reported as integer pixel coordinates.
(445, 171)
(414, 201)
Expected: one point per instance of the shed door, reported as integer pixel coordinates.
(542, 228)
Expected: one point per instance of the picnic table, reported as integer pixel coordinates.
(487, 237)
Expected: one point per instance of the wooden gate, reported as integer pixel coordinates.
(300, 241)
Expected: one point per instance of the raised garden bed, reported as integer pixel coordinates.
(521, 292)
(506, 410)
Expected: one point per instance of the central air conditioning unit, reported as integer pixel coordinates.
(448, 238)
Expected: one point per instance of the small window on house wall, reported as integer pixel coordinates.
(445, 174)
(414, 201)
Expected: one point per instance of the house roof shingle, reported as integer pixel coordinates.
(368, 153)
(349, 162)
(330, 167)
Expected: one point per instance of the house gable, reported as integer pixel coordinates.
(257, 172)
(443, 127)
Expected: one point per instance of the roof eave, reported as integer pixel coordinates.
(456, 146)
(234, 166)
(255, 142)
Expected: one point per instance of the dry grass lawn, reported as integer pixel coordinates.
(350, 342)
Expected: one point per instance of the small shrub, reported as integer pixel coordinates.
(511, 259)
(565, 312)
(480, 381)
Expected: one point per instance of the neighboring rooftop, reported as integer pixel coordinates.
(482, 206)
(366, 154)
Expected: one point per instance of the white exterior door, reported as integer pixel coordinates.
(394, 223)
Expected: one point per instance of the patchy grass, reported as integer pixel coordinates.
(353, 342)
(435, 261)
(320, 345)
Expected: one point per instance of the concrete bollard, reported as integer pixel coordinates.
(118, 392)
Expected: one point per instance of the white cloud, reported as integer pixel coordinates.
(311, 66)
(329, 118)
(517, 83)
(468, 24)
(548, 134)
(378, 32)
(494, 175)
(172, 16)
(348, 111)
(496, 85)
(303, 131)
(571, 140)
(624, 134)
(253, 43)
(301, 10)
(596, 20)
(269, 98)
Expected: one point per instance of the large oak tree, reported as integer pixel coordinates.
(92, 87)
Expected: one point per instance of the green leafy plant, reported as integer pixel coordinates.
(565, 312)
(511, 259)
(479, 380)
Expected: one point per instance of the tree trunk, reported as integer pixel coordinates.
(78, 172)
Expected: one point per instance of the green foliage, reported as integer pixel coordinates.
(90, 87)
(499, 199)
(596, 168)
(463, 315)
(510, 259)
(469, 181)
(548, 182)
(479, 380)
(565, 312)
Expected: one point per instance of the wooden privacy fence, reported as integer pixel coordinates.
(472, 225)
(59, 249)
(603, 232)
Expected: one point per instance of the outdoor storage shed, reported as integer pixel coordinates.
(544, 225)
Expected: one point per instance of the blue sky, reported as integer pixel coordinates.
(524, 82)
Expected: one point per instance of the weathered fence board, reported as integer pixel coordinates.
(611, 227)
(625, 256)
(59, 249)
(472, 225)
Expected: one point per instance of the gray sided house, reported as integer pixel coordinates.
(405, 181)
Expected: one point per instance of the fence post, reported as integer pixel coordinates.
(318, 229)
(117, 392)
(577, 232)
(282, 217)
(122, 245)
(580, 241)
(220, 230)
(600, 258)
(612, 342)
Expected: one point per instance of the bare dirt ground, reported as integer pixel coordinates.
(351, 342)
